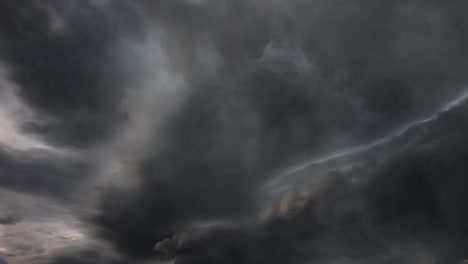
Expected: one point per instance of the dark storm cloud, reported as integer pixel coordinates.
(61, 56)
(397, 59)
(85, 256)
(42, 172)
(269, 83)
(428, 182)
(382, 56)
(236, 31)
(410, 207)
(217, 149)
(376, 60)
(9, 220)
(367, 68)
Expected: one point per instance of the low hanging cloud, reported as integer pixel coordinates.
(402, 209)
(83, 256)
(157, 125)
(69, 75)
(9, 220)
(42, 173)
(250, 119)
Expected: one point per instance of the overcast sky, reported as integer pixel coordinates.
(233, 132)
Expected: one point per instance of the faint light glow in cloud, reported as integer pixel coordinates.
(12, 112)
(46, 227)
(277, 182)
(12, 137)
(3, 250)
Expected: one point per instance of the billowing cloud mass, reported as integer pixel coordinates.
(8, 220)
(62, 59)
(248, 131)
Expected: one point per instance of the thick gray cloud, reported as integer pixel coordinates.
(9, 220)
(42, 172)
(61, 56)
(84, 256)
(312, 82)
(406, 208)
(264, 84)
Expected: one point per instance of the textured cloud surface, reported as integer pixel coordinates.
(248, 131)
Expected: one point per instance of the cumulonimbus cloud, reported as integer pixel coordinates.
(234, 92)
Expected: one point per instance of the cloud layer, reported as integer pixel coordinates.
(157, 131)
